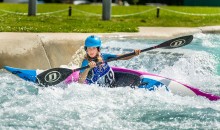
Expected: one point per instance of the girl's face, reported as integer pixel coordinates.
(92, 51)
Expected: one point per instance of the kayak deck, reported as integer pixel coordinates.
(127, 77)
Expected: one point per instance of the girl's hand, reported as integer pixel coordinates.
(137, 52)
(92, 64)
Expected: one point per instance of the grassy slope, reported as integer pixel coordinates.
(80, 22)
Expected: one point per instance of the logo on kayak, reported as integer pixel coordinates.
(178, 43)
(53, 76)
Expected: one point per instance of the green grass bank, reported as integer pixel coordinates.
(88, 18)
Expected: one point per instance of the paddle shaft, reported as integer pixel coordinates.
(116, 58)
(173, 43)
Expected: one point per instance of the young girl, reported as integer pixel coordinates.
(101, 74)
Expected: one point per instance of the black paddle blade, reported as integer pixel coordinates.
(177, 42)
(53, 76)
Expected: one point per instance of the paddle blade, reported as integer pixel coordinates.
(53, 76)
(177, 42)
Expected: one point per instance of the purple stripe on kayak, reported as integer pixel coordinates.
(117, 69)
(72, 78)
(204, 94)
(195, 90)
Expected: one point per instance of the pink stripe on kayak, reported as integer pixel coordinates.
(195, 90)
(75, 76)
(72, 78)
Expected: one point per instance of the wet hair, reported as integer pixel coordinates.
(97, 58)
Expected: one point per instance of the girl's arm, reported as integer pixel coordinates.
(83, 75)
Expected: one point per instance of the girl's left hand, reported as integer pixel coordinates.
(137, 52)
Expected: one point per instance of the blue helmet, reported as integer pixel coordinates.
(93, 41)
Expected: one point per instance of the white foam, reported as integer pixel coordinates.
(27, 106)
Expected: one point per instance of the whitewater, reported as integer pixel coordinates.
(25, 105)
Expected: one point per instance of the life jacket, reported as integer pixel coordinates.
(102, 75)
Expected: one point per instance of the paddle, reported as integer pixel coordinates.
(56, 75)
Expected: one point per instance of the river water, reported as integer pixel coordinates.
(24, 105)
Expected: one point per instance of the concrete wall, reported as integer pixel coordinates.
(33, 50)
(49, 50)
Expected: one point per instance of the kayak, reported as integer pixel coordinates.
(126, 77)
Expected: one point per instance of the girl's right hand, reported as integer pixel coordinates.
(92, 64)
